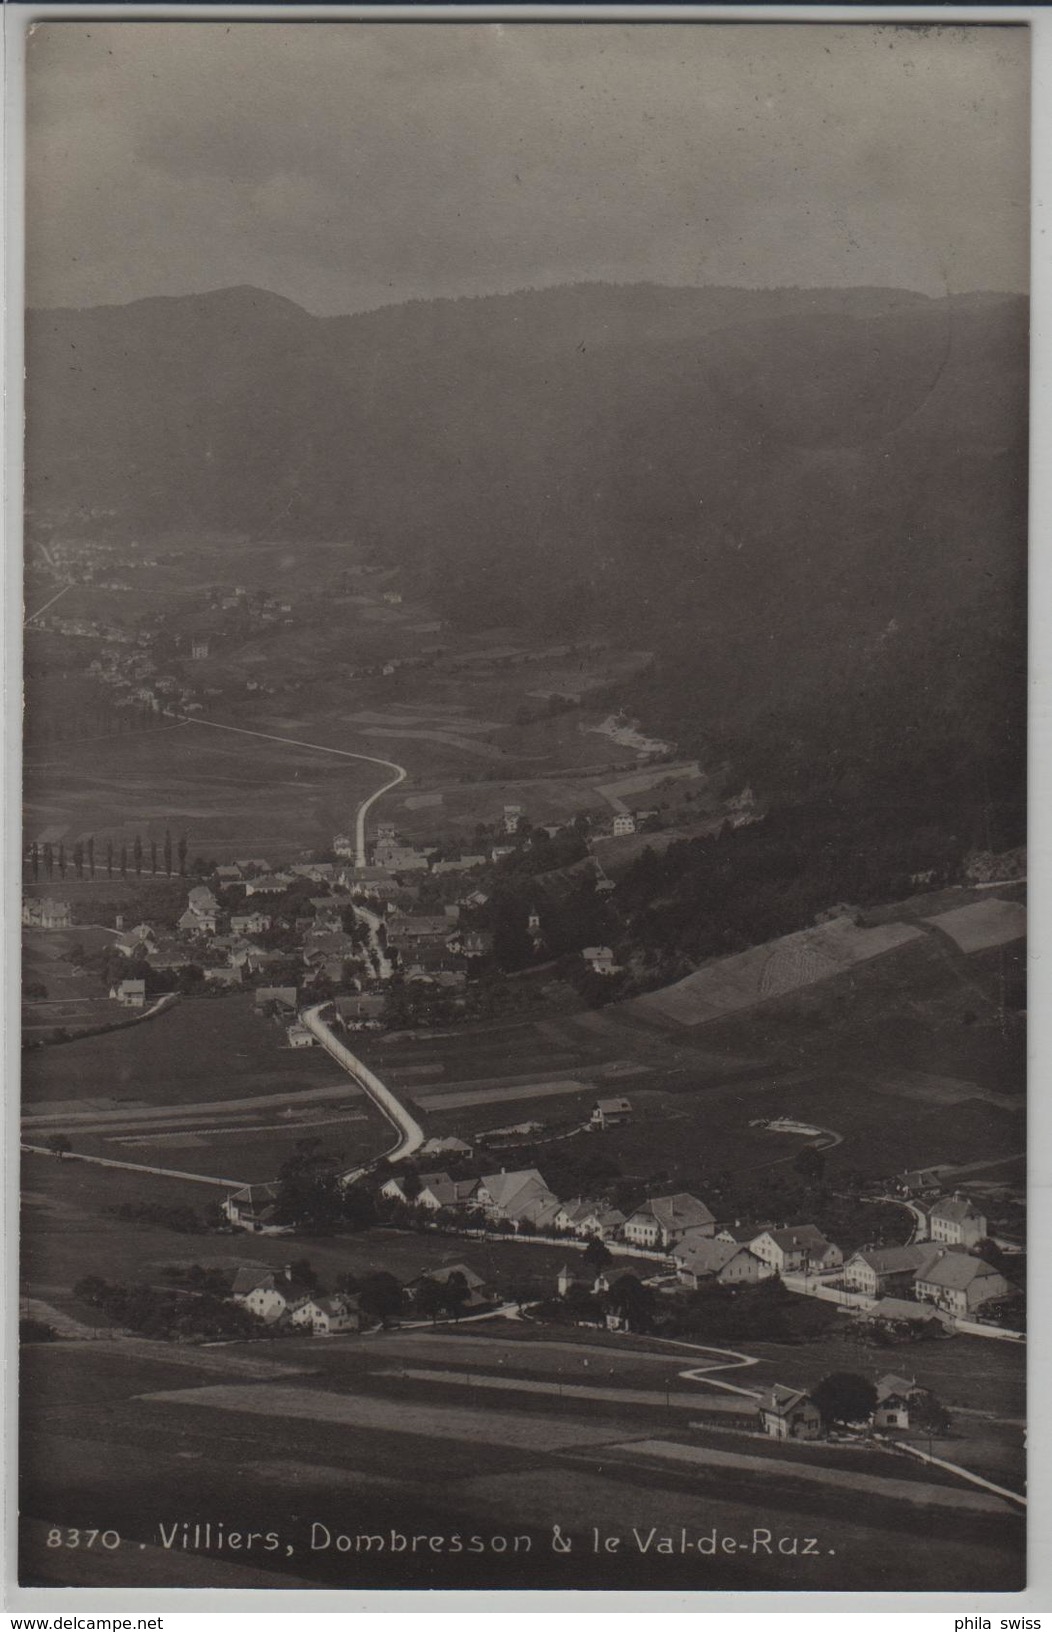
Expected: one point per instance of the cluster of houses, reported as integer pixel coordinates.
(281, 1298)
(942, 1275)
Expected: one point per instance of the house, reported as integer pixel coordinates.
(130, 993)
(624, 826)
(589, 1219)
(198, 923)
(201, 899)
(800, 1248)
(274, 1295)
(513, 815)
(416, 929)
(471, 943)
(789, 1413)
(276, 998)
(610, 1113)
(600, 959)
(919, 1181)
(252, 864)
(198, 649)
(889, 1313)
(224, 977)
(664, 1220)
(46, 914)
(479, 1294)
(894, 1396)
(956, 1221)
(512, 1196)
(229, 873)
(252, 1208)
(878, 1270)
(250, 923)
(327, 1316)
(438, 1190)
(959, 1283)
(299, 1036)
(701, 1260)
(343, 845)
(362, 1011)
(465, 864)
(139, 942)
(445, 1147)
(568, 1279)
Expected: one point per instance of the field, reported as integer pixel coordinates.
(207, 1087)
(458, 1434)
(230, 795)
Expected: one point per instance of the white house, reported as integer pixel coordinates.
(327, 1316)
(879, 1270)
(130, 993)
(600, 959)
(270, 1294)
(957, 1222)
(664, 1220)
(800, 1248)
(299, 1036)
(623, 826)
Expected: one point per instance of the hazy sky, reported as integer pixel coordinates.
(348, 165)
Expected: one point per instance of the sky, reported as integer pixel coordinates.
(351, 165)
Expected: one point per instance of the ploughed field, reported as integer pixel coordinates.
(420, 1441)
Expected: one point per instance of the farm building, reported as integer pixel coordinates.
(610, 1113)
(270, 1294)
(130, 993)
(700, 1261)
(252, 1208)
(878, 1270)
(959, 1283)
(299, 1036)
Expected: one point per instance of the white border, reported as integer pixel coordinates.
(1038, 1594)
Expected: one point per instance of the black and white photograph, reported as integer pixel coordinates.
(523, 854)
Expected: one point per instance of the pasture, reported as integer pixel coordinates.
(344, 1434)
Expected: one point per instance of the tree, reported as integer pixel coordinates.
(137, 855)
(49, 861)
(380, 1296)
(634, 1302)
(810, 1164)
(91, 854)
(61, 859)
(181, 852)
(153, 857)
(109, 858)
(455, 1294)
(124, 861)
(168, 851)
(78, 858)
(596, 1255)
(928, 1413)
(58, 1143)
(429, 1300)
(34, 860)
(845, 1397)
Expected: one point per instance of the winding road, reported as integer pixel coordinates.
(410, 1133)
(323, 748)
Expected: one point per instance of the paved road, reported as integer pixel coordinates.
(323, 748)
(410, 1133)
